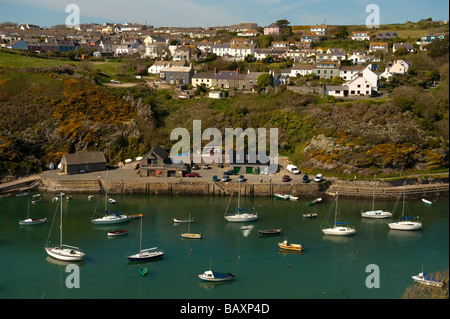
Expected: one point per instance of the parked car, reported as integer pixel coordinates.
(205, 166)
(241, 178)
(305, 178)
(293, 169)
(318, 178)
(226, 178)
(215, 178)
(195, 166)
(194, 174)
(230, 172)
(285, 178)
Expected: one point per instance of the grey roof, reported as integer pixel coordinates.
(84, 158)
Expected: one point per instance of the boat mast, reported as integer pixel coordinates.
(140, 238)
(373, 198)
(60, 224)
(335, 209)
(239, 196)
(29, 199)
(106, 195)
(404, 195)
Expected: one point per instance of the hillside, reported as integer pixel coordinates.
(49, 107)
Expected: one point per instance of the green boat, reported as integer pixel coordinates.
(317, 200)
(143, 271)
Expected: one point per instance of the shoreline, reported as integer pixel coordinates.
(125, 181)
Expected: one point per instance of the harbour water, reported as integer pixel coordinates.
(331, 267)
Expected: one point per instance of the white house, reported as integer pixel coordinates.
(301, 69)
(319, 29)
(348, 73)
(159, 65)
(371, 77)
(222, 49)
(241, 50)
(360, 35)
(336, 90)
(359, 86)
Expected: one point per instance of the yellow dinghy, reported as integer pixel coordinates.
(289, 246)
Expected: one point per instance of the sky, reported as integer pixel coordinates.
(209, 13)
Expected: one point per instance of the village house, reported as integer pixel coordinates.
(241, 50)
(83, 162)
(320, 30)
(309, 37)
(156, 67)
(326, 70)
(242, 27)
(348, 73)
(387, 35)
(182, 53)
(176, 74)
(360, 35)
(408, 46)
(221, 49)
(157, 163)
(272, 29)
(399, 67)
(301, 70)
(359, 86)
(378, 47)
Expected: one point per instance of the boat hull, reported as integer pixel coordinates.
(422, 279)
(376, 214)
(110, 219)
(405, 226)
(31, 222)
(339, 231)
(145, 255)
(239, 218)
(65, 254)
(270, 231)
(291, 247)
(215, 276)
(191, 236)
(118, 233)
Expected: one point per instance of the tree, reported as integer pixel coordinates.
(264, 80)
(438, 47)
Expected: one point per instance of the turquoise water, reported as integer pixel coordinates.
(330, 267)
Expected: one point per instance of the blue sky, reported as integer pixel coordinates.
(206, 13)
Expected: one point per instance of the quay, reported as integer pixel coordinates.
(124, 180)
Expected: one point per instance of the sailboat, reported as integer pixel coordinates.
(29, 221)
(375, 213)
(63, 252)
(190, 235)
(109, 218)
(145, 254)
(210, 275)
(239, 216)
(425, 279)
(405, 223)
(339, 228)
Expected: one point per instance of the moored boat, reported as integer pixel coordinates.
(285, 196)
(339, 228)
(276, 231)
(428, 280)
(135, 216)
(118, 233)
(30, 221)
(210, 275)
(288, 246)
(241, 215)
(315, 201)
(310, 215)
(427, 202)
(185, 220)
(406, 222)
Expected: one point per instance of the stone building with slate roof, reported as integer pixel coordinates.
(83, 162)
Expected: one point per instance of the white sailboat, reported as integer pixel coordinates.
(339, 228)
(190, 235)
(109, 217)
(405, 223)
(63, 252)
(241, 215)
(210, 275)
(29, 221)
(378, 214)
(145, 254)
(425, 279)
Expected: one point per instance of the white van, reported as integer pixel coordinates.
(293, 169)
(318, 178)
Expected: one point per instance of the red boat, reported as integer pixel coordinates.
(117, 233)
